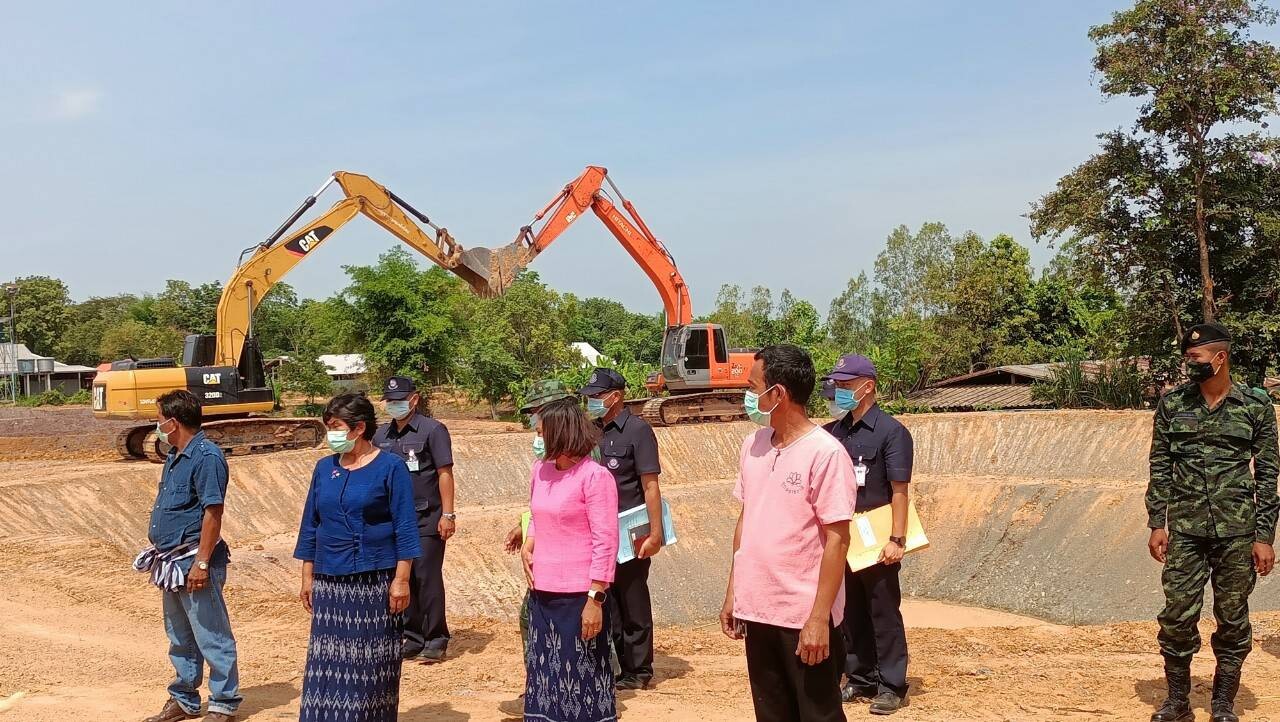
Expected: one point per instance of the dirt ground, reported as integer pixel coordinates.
(84, 640)
(70, 433)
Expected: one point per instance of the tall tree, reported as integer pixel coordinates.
(405, 319)
(913, 269)
(42, 312)
(1177, 209)
(1197, 69)
(188, 308)
(81, 343)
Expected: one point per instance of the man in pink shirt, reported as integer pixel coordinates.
(786, 583)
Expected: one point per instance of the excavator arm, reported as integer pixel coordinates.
(272, 259)
(586, 192)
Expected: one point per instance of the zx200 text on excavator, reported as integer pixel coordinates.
(705, 379)
(225, 370)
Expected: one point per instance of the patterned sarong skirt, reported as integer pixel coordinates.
(353, 658)
(566, 679)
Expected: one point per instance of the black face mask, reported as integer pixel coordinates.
(1200, 371)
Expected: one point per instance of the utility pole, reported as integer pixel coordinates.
(12, 290)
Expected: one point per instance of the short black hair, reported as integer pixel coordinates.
(791, 368)
(351, 409)
(181, 406)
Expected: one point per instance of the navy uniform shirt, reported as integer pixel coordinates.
(429, 441)
(884, 445)
(629, 449)
(358, 521)
(193, 479)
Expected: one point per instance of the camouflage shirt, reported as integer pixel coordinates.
(1201, 482)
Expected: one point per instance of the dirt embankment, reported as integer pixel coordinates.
(1035, 513)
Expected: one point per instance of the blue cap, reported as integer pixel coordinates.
(398, 388)
(603, 380)
(852, 366)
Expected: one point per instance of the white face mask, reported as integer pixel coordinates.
(398, 409)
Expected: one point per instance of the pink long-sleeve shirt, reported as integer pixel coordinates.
(574, 526)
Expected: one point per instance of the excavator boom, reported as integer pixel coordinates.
(583, 193)
(226, 371)
(273, 258)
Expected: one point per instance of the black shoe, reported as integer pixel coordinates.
(1177, 707)
(432, 655)
(410, 653)
(631, 682)
(1226, 683)
(886, 703)
(849, 693)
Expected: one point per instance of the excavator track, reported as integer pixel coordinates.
(707, 407)
(236, 437)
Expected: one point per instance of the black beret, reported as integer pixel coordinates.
(1205, 333)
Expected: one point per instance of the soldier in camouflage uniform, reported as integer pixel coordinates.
(1211, 518)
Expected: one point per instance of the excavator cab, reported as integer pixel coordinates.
(696, 358)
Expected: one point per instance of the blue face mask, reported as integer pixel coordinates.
(539, 447)
(751, 404)
(596, 408)
(398, 409)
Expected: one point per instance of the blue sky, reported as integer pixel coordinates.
(764, 144)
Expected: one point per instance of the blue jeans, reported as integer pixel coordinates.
(200, 631)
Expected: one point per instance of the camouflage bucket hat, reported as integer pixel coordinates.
(541, 393)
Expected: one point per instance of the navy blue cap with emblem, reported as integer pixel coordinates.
(852, 366)
(398, 388)
(603, 380)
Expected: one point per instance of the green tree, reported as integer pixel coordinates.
(279, 323)
(1197, 69)
(404, 318)
(851, 315)
(605, 323)
(306, 375)
(514, 338)
(131, 338)
(192, 309)
(1180, 210)
(81, 343)
(42, 311)
(328, 326)
(798, 322)
(913, 270)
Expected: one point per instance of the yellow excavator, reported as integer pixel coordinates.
(225, 369)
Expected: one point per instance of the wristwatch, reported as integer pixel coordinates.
(899, 540)
(203, 565)
(449, 515)
(596, 596)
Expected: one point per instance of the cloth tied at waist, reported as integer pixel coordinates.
(165, 571)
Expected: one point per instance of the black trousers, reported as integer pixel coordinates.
(783, 688)
(425, 626)
(874, 634)
(633, 618)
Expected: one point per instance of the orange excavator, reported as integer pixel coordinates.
(703, 377)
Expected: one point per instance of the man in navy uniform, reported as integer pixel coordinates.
(881, 450)
(629, 450)
(424, 445)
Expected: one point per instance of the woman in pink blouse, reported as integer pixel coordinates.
(569, 556)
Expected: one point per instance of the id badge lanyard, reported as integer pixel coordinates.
(860, 472)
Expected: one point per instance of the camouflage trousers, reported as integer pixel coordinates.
(1192, 562)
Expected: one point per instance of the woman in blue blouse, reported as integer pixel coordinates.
(358, 535)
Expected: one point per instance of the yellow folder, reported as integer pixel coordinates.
(870, 530)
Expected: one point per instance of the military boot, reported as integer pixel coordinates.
(1226, 682)
(1177, 707)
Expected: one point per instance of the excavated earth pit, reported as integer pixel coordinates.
(1036, 520)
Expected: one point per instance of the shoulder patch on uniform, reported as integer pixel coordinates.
(1256, 393)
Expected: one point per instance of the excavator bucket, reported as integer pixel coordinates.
(490, 272)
